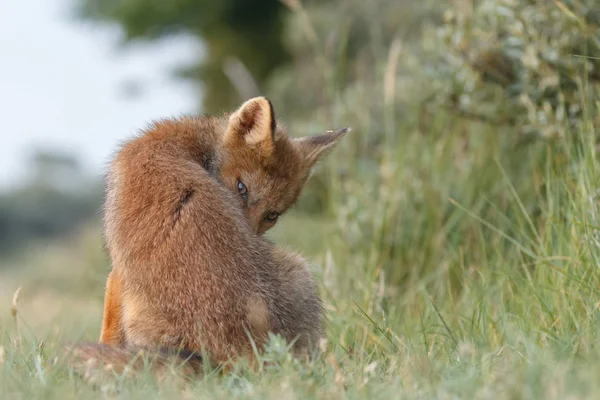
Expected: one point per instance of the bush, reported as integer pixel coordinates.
(521, 64)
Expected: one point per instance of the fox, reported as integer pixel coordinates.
(186, 207)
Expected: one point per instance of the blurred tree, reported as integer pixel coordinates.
(248, 31)
(54, 168)
(56, 200)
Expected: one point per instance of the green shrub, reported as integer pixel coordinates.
(523, 64)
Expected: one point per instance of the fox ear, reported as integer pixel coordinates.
(313, 148)
(253, 124)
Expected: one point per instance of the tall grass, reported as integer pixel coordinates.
(456, 261)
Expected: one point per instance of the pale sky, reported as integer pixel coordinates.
(61, 85)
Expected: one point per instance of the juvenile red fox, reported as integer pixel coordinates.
(186, 205)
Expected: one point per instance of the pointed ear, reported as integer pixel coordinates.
(313, 148)
(253, 124)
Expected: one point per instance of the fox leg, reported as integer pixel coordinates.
(112, 327)
(300, 289)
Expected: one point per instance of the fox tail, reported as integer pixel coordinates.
(96, 363)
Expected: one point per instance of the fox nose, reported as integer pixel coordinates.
(260, 229)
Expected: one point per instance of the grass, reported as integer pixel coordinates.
(456, 262)
(477, 282)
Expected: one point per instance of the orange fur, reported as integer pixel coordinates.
(112, 329)
(191, 269)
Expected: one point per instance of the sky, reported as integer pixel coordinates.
(61, 86)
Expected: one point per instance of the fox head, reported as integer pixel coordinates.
(263, 165)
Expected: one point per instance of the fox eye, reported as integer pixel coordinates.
(272, 216)
(242, 189)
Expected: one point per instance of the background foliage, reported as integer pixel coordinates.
(249, 31)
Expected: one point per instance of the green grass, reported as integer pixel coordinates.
(440, 280)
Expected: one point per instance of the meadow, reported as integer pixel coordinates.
(457, 257)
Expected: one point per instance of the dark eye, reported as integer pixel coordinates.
(242, 189)
(272, 216)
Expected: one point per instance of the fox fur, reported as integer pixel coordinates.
(187, 203)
